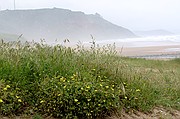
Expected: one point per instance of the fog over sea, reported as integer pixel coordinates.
(144, 41)
(169, 45)
(168, 53)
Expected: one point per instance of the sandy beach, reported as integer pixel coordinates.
(151, 50)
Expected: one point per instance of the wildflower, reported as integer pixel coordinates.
(93, 69)
(19, 100)
(101, 85)
(75, 100)
(1, 101)
(72, 77)
(88, 87)
(107, 86)
(138, 90)
(62, 79)
(59, 94)
(7, 86)
(95, 90)
(41, 101)
(135, 98)
(17, 96)
(88, 100)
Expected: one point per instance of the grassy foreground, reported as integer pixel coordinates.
(68, 82)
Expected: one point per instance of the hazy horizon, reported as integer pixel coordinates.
(136, 15)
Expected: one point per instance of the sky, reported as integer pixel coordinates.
(136, 15)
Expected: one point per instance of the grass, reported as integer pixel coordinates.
(65, 82)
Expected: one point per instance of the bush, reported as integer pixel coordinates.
(58, 81)
(78, 96)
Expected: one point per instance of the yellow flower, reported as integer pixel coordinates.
(17, 96)
(1, 101)
(88, 100)
(88, 87)
(62, 79)
(75, 100)
(138, 90)
(101, 85)
(41, 101)
(107, 86)
(19, 100)
(7, 86)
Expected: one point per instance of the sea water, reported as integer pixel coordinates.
(149, 42)
(144, 41)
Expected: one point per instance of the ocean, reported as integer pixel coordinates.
(144, 41)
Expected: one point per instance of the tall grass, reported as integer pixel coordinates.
(79, 83)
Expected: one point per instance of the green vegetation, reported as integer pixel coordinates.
(65, 82)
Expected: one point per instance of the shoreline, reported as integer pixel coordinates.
(168, 51)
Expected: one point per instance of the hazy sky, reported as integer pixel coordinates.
(132, 14)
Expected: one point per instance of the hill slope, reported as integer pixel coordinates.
(59, 24)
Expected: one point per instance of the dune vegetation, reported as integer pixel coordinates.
(64, 82)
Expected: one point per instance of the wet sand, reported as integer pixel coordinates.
(152, 50)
